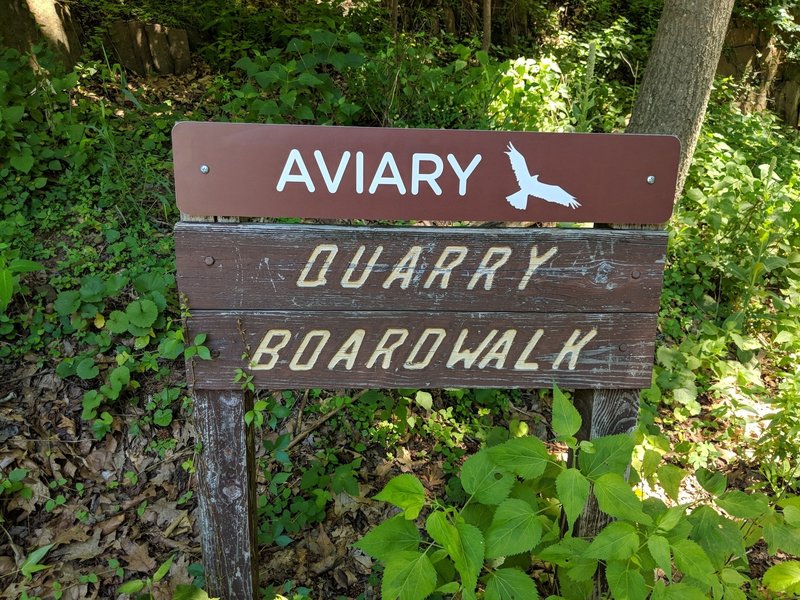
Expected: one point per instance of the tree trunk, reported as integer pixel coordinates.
(672, 100)
(23, 23)
(487, 25)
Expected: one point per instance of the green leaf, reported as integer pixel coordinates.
(780, 536)
(142, 313)
(117, 322)
(190, 592)
(743, 505)
(6, 288)
(162, 417)
(12, 114)
(163, 569)
(659, 550)
(132, 587)
(573, 490)
(515, 529)
(612, 454)
(408, 576)
(22, 162)
(20, 265)
(783, 577)
(566, 419)
(712, 482)
(92, 288)
(463, 542)
(394, 535)
(526, 456)
(424, 399)
(692, 560)
(618, 540)
(616, 498)
(31, 563)
(308, 79)
(670, 478)
(485, 481)
(87, 369)
(510, 584)
(625, 581)
(720, 537)
(405, 492)
(67, 302)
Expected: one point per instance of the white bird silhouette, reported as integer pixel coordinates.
(531, 186)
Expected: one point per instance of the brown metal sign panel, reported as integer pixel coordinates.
(238, 169)
(308, 267)
(283, 349)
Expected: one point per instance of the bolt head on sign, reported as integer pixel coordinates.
(308, 171)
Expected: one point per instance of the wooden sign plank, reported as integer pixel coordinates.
(240, 169)
(293, 349)
(259, 267)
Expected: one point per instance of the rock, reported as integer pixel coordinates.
(146, 48)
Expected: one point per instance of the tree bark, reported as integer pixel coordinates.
(23, 23)
(672, 100)
(487, 25)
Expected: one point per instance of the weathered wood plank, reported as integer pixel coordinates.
(226, 494)
(251, 267)
(377, 173)
(422, 349)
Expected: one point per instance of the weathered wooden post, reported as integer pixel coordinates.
(299, 306)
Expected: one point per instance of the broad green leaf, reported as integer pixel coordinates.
(510, 584)
(792, 515)
(87, 369)
(67, 302)
(683, 591)
(132, 587)
(6, 288)
(780, 536)
(424, 399)
(566, 419)
(190, 592)
(22, 162)
(514, 529)
(483, 480)
(525, 456)
(616, 498)
(659, 550)
(394, 535)
(720, 537)
(163, 569)
(743, 505)
(92, 288)
(406, 492)
(618, 540)
(625, 581)
(142, 313)
(712, 482)
(692, 560)
(670, 478)
(783, 577)
(573, 490)
(570, 555)
(20, 265)
(463, 542)
(612, 454)
(668, 520)
(31, 563)
(12, 114)
(408, 576)
(117, 322)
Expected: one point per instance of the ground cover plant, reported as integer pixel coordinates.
(370, 492)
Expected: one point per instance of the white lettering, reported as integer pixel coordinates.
(534, 263)
(380, 179)
(440, 268)
(386, 349)
(430, 178)
(404, 270)
(463, 174)
(332, 184)
(346, 282)
(293, 159)
(265, 347)
(323, 335)
(522, 363)
(303, 281)
(499, 351)
(412, 357)
(574, 347)
(359, 172)
(348, 351)
(468, 356)
(485, 270)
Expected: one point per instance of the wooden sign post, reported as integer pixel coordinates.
(299, 306)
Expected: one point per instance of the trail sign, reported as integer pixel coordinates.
(274, 171)
(300, 306)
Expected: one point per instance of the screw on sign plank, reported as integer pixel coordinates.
(298, 306)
